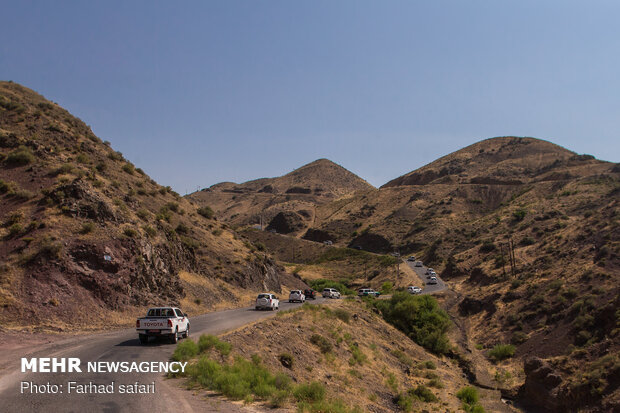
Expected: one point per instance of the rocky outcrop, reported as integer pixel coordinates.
(318, 235)
(372, 242)
(80, 200)
(286, 222)
(542, 387)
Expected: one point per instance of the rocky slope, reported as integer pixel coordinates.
(297, 193)
(528, 234)
(86, 233)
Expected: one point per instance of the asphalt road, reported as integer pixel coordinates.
(122, 345)
(427, 288)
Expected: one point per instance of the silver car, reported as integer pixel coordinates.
(296, 296)
(331, 293)
(267, 301)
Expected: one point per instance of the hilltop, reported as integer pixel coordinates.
(505, 160)
(85, 232)
(297, 192)
(558, 212)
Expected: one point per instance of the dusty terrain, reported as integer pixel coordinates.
(297, 193)
(85, 233)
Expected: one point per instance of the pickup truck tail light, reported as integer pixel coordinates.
(137, 323)
(170, 323)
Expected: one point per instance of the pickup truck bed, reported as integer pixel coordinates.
(167, 322)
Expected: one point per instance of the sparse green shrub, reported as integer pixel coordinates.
(143, 214)
(402, 357)
(357, 356)
(342, 314)
(423, 393)
(207, 342)
(15, 230)
(502, 351)
(65, 168)
(321, 342)
(519, 214)
(20, 156)
(185, 350)
(164, 214)
(130, 232)
(115, 156)
(310, 392)
(386, 287)
(129, 168)
(182, 228)
(82, 158)
(468, 395)
(6, 187)
(436, 383)
(420, 317)
(87, 227)
(22, 194)
(217, 232)
(172, 206)
(206, 212)
(150, 231)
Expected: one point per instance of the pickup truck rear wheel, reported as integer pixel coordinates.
(174, 337)
(143, 338)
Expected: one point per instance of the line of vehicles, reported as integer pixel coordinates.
(172, 323)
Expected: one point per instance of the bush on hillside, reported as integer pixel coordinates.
(206, 212)
(20, 156)
(419, 317)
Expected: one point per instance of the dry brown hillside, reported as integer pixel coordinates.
(559, 301)
(84, 232)
(297, 192)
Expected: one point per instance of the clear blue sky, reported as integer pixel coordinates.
(200, 92)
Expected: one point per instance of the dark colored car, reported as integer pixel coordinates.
(310, 294)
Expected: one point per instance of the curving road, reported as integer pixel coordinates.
(119, 345)
(428, 288)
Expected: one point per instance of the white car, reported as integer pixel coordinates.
(414, 290)
(412, 258)
(330, 293)
(267, 301)
(296, 296)
(163, 322)
(430, 271)
(433, 280)
(419, 264)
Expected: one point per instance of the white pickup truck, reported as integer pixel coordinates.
(163, 321)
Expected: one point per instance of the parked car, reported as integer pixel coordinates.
(433, 280)
(310, 294)
(430, 271)
(327, 242)
(411, 258)
(331, 293)
(414, 290)
(363, 292)
(419, 264)
(168, 322)
(296, 296)
(267, 301)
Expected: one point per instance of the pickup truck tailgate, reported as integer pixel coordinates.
(153, 323)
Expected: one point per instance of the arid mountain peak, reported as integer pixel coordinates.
(502, 160)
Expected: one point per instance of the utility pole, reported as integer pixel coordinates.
(513, 262)
(501, 249)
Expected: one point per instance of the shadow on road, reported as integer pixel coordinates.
(136, 343)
